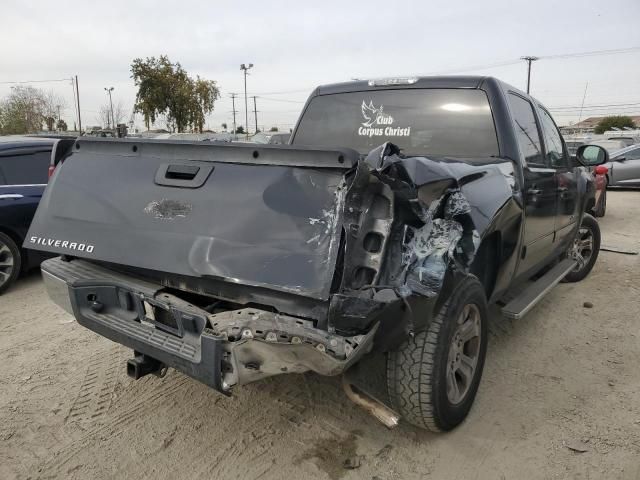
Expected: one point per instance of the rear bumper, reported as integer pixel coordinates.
(220, 350)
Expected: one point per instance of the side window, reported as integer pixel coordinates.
(552, 140)
(31, 168)
(526, 130)
(633, 154)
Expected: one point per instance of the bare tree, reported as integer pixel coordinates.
(52, 106)
(104, 114)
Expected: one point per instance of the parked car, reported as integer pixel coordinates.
(596, 204)
(624, 167)
(24, 165)
(628, 141)
(572, 146)
(279, 138)
(598, 207)
(234, 263)
(270, 138)
(610, 145)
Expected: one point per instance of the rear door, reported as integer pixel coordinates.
(23, 178)
(557, 158)
(625, 170)
(540, 186)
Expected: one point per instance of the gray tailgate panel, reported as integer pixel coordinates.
(269, 225)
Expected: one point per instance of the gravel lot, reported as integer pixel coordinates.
(559, 398)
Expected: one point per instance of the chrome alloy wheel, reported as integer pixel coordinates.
(464, 352)
(582, 248)
(6, 263)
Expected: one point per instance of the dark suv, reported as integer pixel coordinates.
(24, 165)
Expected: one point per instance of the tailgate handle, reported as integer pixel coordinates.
(181, 172)
(182, 175)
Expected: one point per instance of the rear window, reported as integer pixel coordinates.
(438, 122)
(25, 169)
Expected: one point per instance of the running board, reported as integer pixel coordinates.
(525, 301)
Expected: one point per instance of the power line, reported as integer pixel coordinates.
(475, 67)
(503, 63)
(286, 92)
(281, 100)
(614, 51)
(597, 107)
(37, 81)
(599, 114)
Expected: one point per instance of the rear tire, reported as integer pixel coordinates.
(434, 376)
(585, 248)
(601, 208)
(10, 262)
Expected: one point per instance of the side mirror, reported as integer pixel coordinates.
(620, 159)
(592, 155)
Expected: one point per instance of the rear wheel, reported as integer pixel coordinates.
(584, 249)
(10, 261)
(601, 208)
(434, 376)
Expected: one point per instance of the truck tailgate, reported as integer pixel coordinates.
(254, 215)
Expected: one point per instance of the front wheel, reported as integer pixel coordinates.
(434, 376)
(584, 249)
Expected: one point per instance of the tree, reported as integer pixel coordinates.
(240, 129)
(61, 125)
(104, 114)
(26, 108)
(273, 129)
(165, 88)
(22, 111)
(51, 122)
(618, 121)
(52, 105)
(224, 126)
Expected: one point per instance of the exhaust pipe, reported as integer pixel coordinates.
(142, 365)
(384, 414)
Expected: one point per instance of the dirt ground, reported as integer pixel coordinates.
(560, 398)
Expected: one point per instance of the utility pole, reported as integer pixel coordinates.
(109, 90)
(246, 106)
(529, 60)
(255, 112)
(78, 98)
(234, 111)
(583, 97)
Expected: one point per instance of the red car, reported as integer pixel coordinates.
(600, 175)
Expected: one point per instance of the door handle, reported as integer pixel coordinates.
(11, 196)
(564, 192)
(181, 172)
(183, 175)
(534, 191)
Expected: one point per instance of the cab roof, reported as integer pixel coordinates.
(454, 81)
(19, 141)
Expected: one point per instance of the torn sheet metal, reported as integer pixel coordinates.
(438, 231)
(407, 223)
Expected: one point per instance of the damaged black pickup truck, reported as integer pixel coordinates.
(400, 210)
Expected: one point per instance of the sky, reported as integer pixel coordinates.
(298, 45)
